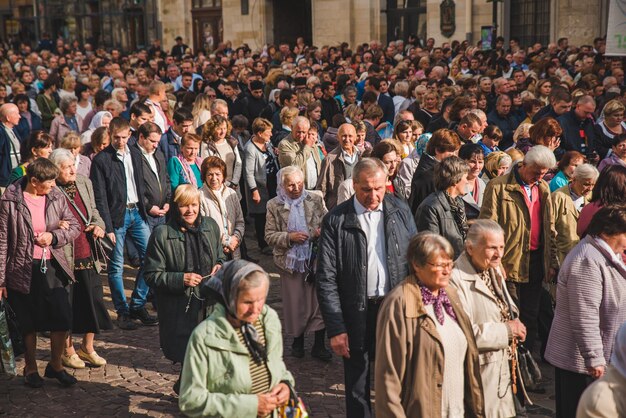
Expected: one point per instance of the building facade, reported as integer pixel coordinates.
(132, 24)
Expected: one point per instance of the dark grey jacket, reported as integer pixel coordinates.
(434, 215)
(342, 265)
(156, 191)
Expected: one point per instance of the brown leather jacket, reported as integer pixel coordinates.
(17, 240)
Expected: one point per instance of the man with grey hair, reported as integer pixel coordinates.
(361, 257)
(10, 142)
(521, 203)
(298, 149)
(579, 133)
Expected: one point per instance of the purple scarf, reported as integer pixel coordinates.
(438, 302)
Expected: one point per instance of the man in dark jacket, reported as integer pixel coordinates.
(116, 173)
(503, 118)
(560, 103)
(579, 132)
(330, 106)
(254, 103)
(362, 256)
(170, 141)
(10, 143)
(157, 187)
(385, 102)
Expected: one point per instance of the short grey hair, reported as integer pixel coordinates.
(401, 89)
(368, 166)
(540, 156)
(61, 155)
(300, 121)
(479, 228)
(287, 172)
(424, 246)
(449, 172)
(66, 102)
(586, 172)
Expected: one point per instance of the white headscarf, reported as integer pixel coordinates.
(96, 122)
(618, 358)
(299, 254)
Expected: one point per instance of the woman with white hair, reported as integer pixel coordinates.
(567, 202)
(479, 280)
(293, 225)
(68, 121)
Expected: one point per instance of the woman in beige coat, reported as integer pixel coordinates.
(294, 218)
(481, 288)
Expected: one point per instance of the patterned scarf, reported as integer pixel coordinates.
(188, 176)
(457, 207)
(69, 188)
(490, 279)
(439, 302)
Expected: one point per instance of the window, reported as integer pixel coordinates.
(530, 21)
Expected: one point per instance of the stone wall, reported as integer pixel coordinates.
(254, 28)
(175, 19)
(580, 21)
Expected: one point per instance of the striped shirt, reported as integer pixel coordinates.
(259, 373)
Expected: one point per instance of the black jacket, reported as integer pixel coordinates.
(423, 182)
(109, 185)
(157, 191)
(389, 110)
(434, 215)
(5, 155)
(341, 276)
(571, 139)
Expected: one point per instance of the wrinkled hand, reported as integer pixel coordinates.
(215, 269)
(596, 372)
(316, 233)
(96, 231)
(298, 237)
(111, 236)
(339, 344)
(64, 224)
(192, 279)
(256, 197)
(281, 391)
(234, 243)
(517, 329)
(267, 403)
(44, 240)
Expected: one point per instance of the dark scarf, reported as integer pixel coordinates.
(457, 207)
(69, 188)
(439, 302)
(197, 250)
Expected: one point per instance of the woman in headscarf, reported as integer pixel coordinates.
(234, 362)
(180, 255)
(496, 164)
(605, 397)
(102, 118)
(294, 219)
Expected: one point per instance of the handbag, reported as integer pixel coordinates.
(15, 332)
(311, 264)
(295, 407)
(7, 356)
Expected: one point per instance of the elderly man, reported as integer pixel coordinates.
(298, 149)
(10, 143)
(579, 132)
(501, 117)
(361, 257)
(338, 165)
(521, 203)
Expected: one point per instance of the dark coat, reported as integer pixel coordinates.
(168, 145)
(17, 240)
(164, 268)
(341, 277)
(434, 215)
(507, 124)
(545, 112)
(330, 108)
(371, 135)
(5, 155)
(23, 129)
(571, 139)
(389, 110)
(109, 185)
(423, 182)
(157, 191)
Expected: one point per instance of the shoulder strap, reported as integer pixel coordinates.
(82, 216)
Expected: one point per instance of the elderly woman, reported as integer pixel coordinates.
(443, 211)
(479, 280)
(610, 189)
(613, 123)
(425, 340)
(102, 118)
(618, 154)
(39, 145)
(590, 307)
(222, 205)
(36, 223)
(567, 203)
(180, 255)
(261, 166)
(566, 166)
(68, 121)
(473, 197)
(216, 141)
(90, 314)
(605, 397)
(497, 163)
(294, 219)
(82, 163)
(185, 167)
(234, 362)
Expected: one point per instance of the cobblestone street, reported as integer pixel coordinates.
(138, 380)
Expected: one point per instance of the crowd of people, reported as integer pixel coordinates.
(431, 210)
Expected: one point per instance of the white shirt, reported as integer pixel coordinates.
(159, 117)
(373, 224)
(350, 159)
(131, 187)
(151, 161)
(311, 173)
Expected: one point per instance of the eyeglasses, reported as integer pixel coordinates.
(442, 266)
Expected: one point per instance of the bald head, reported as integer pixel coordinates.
(347, 137)
(9, 115)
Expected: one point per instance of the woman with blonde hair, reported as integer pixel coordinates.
(353, 113)
(521, 137)
(201, 110)
(287, 115)
(82, 164)
(69, 85)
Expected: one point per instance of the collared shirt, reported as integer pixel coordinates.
(373, 224)
(528, 188)
(151, 161)
(131, 187)
(311, 173)
(579, 201)
(617, 258)
(15, 146)
(350, 159)
(159, 115)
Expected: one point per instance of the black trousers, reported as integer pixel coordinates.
(358, 367)
(568, 388)
(259, 227)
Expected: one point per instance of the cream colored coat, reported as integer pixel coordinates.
(492, 336)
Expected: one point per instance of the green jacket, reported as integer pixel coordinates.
(216, 378)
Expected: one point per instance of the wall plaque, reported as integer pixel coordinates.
(447, 18)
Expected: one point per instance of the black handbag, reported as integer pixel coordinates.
(17, 339)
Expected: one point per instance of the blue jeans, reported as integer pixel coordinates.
(154, 221)
(139, 232)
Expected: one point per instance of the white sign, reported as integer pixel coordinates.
(616, 30)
